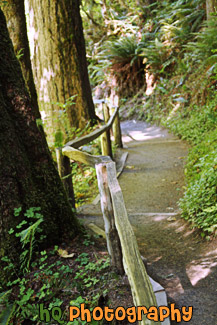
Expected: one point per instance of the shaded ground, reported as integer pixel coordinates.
(152, 183)
(78, 272)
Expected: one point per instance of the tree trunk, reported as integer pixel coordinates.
(16, 22)
(28, 176)
(211, 7)
(58, 57)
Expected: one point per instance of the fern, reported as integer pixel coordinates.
(27, 237)
(122, 50)
(205, 45)
(6, 314)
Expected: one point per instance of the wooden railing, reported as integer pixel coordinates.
(121, 242)
(63, 161)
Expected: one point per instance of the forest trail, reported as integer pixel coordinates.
(152, 183)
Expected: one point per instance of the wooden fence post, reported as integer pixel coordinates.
(65, 171)
(112, 238)
(105, 137)
(117, 131)
(142, 291)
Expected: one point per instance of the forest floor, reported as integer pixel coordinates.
(152, 183)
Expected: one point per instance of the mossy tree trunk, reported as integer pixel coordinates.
(28, 176)
(59, 63)
(16, 22)
(211, 7)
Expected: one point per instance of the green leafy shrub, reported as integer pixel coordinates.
(199, 204)
(84, 183)
(196, 122)
(180, 18)
(126, 64)
(157, 56)
(199, 126)
(204, 47)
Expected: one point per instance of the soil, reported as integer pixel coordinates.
(152, 183)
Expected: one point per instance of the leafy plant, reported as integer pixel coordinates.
(84, 183)
(126, 64)
(198, 125)
(157, 56)
(204, 47)
(199, 203)
(49, 279)
(27, 240)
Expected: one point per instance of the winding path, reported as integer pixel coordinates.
(152, 183)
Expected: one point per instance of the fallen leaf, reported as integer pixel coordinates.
(63, 253)
(171, 219)
(130, 167)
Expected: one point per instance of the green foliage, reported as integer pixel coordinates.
(64, 122)
(48, 279)
(204, 47)
(125, 64)
(122, 50)
(178, 19)
(27, 239)
(7, 314)
(140, 38)
(84, 183)
(106, 22)
(199, 204)
(20, 54)
(65, 132)
(196, 122)
(156, 56)
(199, 126)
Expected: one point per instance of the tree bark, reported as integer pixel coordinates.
(211, 7)
(28, 176)
(58, 57)
(16, 22)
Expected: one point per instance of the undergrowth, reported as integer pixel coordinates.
(78, 272)
(84, 183)
(198, 125)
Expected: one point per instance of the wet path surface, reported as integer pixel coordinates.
(152, 183)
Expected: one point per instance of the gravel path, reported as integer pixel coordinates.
(152, 183)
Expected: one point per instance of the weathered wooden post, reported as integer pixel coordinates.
(113, 241)
(65, 172)
(105, 137)
(114, 102)
(117, 131)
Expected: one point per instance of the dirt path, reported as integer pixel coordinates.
(152, 183)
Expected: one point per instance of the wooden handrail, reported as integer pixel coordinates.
(84, 157)
(121, 241)
(76, 143)
(64, 153)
